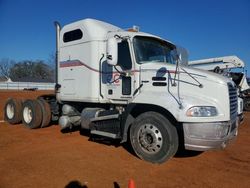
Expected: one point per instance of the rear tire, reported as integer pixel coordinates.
(46, 112)
(13, 111)
(153, 137)
(31, 114)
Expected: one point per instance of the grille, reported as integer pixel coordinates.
(233, 98)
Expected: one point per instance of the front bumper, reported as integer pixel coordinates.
(208, 136)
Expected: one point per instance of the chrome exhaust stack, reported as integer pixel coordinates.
(58, 29)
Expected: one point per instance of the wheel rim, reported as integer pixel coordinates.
(150, 138)
(10, 111)
(27, 115)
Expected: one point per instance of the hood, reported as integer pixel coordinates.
(163, 68)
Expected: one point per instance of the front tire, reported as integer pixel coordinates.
(32, 114)
(153, 137)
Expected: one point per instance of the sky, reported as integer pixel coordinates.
(206, 28)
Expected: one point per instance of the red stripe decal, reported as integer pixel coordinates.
(70, 64)
(75, 63)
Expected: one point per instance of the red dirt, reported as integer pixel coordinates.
(48, 158)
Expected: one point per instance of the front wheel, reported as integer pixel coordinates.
(153, 137)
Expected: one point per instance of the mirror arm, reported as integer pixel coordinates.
(118, 36)
(109, 57)
(120, 72)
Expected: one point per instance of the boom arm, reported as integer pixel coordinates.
(222, 63)
(225, 62)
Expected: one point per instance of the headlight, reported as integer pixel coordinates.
(202, 111)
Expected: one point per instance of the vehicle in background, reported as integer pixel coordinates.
(246, 97)
(232, 67)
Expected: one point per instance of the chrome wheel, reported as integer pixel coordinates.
(27, 114)
(153, 137)
(32, 114)
(13, 111)
(10, 111)
(150, 138)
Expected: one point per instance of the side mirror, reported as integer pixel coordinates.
(112, 51)
(182, 55)
(175, 55)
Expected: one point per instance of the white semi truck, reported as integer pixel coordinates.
(130, 85)
(228, 66)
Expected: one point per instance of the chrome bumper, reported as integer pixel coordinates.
(208, 136)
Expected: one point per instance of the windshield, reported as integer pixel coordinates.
(148, 49)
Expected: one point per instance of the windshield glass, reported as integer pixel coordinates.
(148, 49)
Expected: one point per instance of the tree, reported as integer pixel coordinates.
(5, 67)
(32, 69)
(51, 61)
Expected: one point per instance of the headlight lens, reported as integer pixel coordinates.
(202, 111)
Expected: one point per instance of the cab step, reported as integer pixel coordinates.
(105, 134)
(107, 126)
(107, 117)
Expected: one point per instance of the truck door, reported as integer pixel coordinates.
(119, 85)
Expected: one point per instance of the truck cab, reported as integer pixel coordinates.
(133, 73)
(131, 86)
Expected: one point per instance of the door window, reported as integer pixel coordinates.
(124, 57)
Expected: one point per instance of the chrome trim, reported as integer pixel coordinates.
(233, 100)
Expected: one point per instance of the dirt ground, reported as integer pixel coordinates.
(48, 158)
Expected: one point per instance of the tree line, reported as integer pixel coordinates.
(32, 69)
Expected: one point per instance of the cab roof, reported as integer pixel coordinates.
(98, 30)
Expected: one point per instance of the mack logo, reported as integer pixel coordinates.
(114, 78)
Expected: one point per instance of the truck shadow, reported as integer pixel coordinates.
(70, 130)
(78, 184)
(92, 138)
(181, 152)
(106, 141)
(75, 184)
